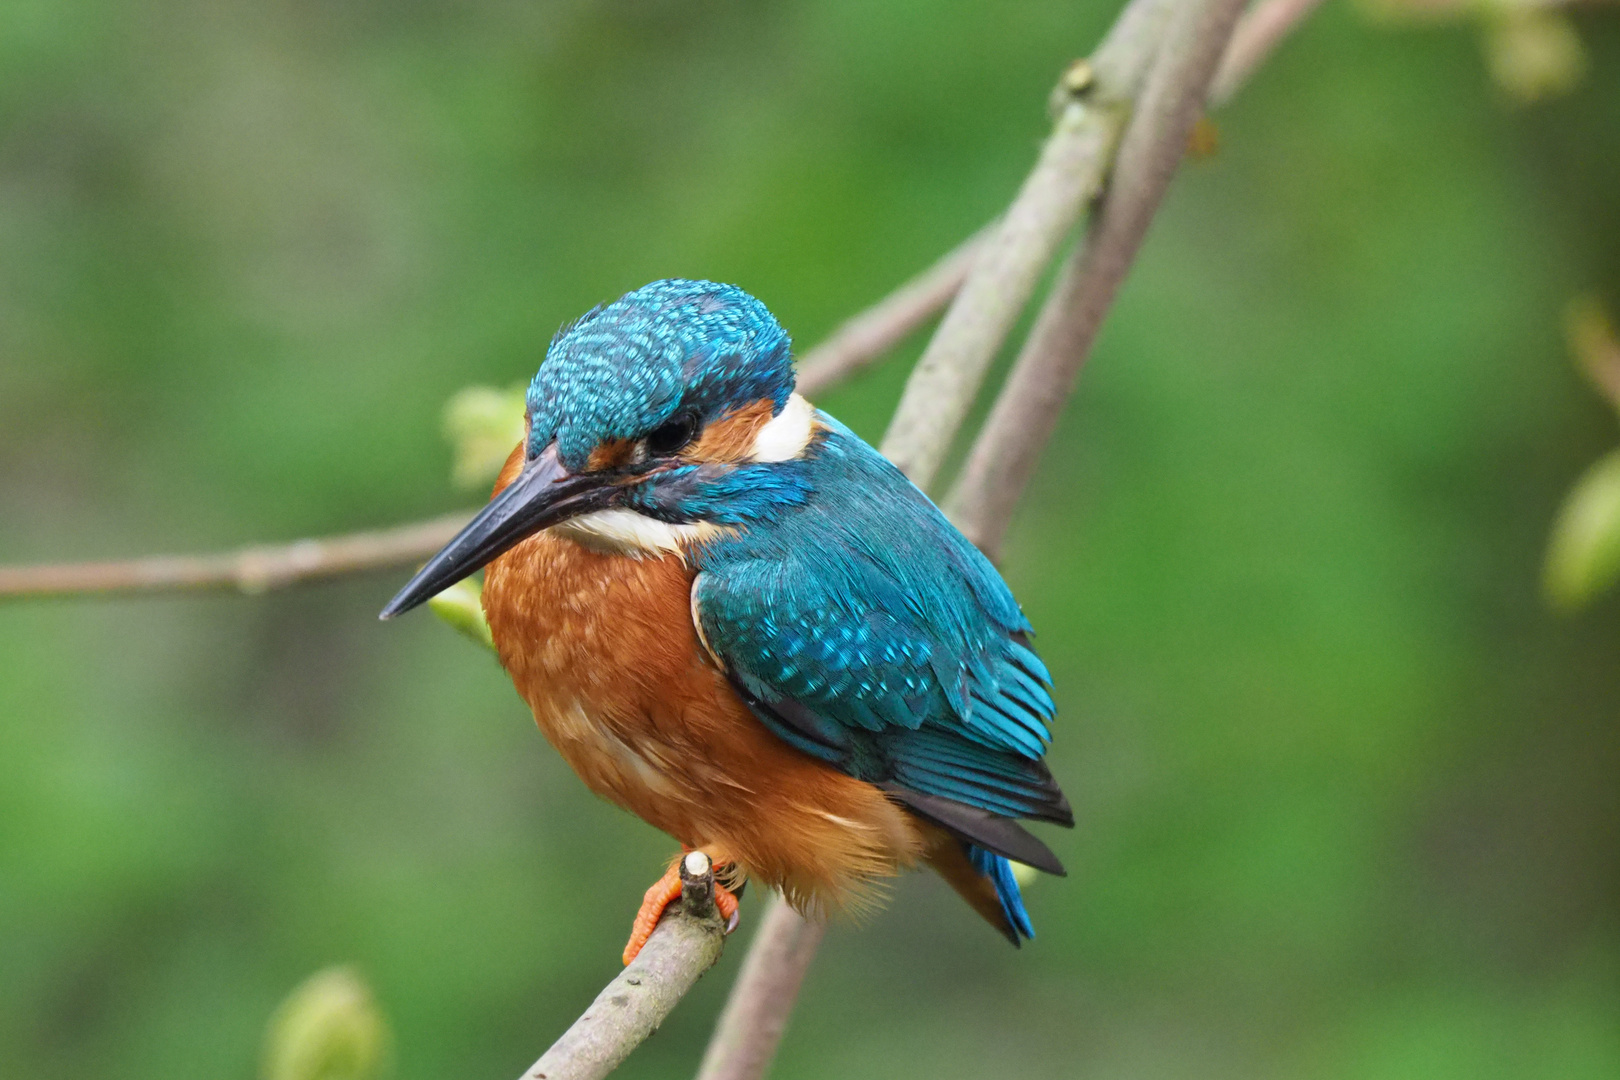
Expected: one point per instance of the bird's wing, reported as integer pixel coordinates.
(867, 631)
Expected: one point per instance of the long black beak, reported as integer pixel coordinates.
(543, 494)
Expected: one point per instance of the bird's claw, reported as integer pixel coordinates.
(730, 908)
(664, 892)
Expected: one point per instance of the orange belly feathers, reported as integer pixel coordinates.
(603, 648)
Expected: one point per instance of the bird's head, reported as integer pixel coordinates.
(652, 425)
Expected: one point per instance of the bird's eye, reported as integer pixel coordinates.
(673, 434)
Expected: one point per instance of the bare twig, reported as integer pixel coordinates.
(1260, 30)
(1004, 456)
(854, 345)
(686, 943)
(1093, 101)
(251, 570)
(868, 336)
(756, 1013)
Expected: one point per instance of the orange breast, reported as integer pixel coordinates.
(603, 648)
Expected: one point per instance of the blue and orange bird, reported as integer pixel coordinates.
(738, 621)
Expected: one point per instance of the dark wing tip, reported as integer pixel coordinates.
(1002, 835)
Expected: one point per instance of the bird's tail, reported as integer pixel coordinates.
(985, 880)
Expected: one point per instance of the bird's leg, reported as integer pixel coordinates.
(664, 892)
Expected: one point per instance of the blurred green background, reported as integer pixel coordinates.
(1349, 797)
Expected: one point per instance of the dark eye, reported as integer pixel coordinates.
(673, 434)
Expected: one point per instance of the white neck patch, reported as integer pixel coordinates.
(787, 434)
(625, 532)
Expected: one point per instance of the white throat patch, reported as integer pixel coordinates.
(625, 532)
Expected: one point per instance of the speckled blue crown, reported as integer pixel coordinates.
(623, 369)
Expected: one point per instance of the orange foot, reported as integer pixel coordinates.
(665, 891)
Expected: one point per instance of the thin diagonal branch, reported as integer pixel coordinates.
(868, 336)
(757, 1010)
(686, 943)
(1026, 413)
(1259, 32)
(1093, 104)
(856, 344)
(1093, 101)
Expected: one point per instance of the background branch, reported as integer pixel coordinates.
(857, 343)
(1163, 51)
(1260, 31)
(1093, 101)
(251, 570)
(868, 336)
(757, 1009)
(1026, 413)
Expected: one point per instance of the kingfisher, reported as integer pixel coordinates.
(737, 620)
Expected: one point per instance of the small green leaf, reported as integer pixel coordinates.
(482, 424)
(462, 606)
(1583, 558)
(327, 1029)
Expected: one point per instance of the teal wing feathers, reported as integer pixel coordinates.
(865, 630)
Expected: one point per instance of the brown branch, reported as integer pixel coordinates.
(1259, 32)
(250, 570)
(866, 337)
(1093, 100)
(853, 346)
(1026, 413)
(856, 344)
(686, 943)
(757, 1010)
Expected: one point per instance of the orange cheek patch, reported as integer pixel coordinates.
(731, 438)
(610, 454)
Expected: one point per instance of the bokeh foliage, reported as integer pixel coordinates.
(1346, 788)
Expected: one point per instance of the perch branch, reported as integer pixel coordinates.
(992, 278)
(686, 943)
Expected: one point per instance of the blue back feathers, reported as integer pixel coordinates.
(901, 650)
(864, 629)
